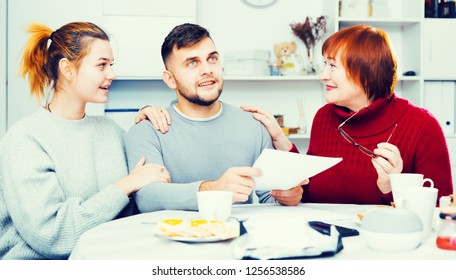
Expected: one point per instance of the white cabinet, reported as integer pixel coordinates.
(439, 74)
(137, 29)
(439, 98)
(439, 44)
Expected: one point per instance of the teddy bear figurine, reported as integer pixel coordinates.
(288, 61)
(284, 49)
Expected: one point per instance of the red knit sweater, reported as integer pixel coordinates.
(418, 136)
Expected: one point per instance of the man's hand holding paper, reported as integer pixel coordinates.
(290, 197)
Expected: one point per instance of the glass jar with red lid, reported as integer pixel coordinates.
(446, 237)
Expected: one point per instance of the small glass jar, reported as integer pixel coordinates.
(302, 126)
(446, 237)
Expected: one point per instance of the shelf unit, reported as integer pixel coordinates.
(299, 136)
(272, 78)
(232, 78)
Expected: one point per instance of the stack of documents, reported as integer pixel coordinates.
(283, 238)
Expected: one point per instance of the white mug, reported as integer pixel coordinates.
(215, 205)
(421, 201)
(402, 181)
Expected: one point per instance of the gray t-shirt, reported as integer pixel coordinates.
(195, 150)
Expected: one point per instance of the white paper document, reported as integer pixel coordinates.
(285, 170)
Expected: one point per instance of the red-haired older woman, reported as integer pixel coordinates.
(375, 132)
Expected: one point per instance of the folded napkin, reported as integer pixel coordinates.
(284, 237)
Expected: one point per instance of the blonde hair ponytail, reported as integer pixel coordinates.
(35, 58)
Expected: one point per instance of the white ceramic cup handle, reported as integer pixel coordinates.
(430, 182)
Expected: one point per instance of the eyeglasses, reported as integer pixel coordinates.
(350, 140)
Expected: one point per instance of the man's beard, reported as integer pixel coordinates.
(196, 99)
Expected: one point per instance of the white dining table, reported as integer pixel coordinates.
(135, 238)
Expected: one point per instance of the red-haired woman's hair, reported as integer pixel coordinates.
(368, 57)
(41, 63)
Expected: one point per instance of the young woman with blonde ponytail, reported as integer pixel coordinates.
(63, 172)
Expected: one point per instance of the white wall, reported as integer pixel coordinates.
(235, 26)
(21, 13)
(3, 63)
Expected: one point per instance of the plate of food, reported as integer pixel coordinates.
(197, 231)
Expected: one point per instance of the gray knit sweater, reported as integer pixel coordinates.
(57, 181)
(194, 150)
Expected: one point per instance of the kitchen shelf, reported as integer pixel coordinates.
(268, 78)
(139, 78)
(233, 78)
(299, 136)
(380, 22)
(409, 78)
(272, 78)
(441, 78)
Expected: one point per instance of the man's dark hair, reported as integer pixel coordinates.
(184, 35)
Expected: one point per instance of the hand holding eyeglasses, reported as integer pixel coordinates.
(386, 158)
(388, 161)
(352, 141)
